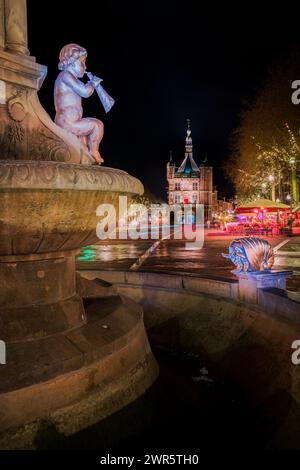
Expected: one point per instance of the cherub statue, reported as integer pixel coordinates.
(68, 92)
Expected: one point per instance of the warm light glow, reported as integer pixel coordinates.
(2, 92)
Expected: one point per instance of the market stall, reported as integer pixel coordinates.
(261, 216)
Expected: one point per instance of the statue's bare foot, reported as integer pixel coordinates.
(98, 158)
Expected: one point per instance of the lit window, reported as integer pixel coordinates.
(177, 186)
(195, 186)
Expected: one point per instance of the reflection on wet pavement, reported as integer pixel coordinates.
(172, 256)
(112, 254)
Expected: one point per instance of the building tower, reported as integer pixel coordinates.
(190, 184)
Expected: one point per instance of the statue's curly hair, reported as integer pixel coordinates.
(69, 54)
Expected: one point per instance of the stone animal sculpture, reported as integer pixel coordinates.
(251, 254)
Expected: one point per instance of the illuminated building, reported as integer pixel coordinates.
(190, 184)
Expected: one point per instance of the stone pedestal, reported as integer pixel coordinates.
(251, 282)
(38, 297)
(72, 376)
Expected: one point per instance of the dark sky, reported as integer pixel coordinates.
(164, 62)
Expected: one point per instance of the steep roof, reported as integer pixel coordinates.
(188, 167)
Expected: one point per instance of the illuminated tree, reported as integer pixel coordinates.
(266, 145)
(147, 199)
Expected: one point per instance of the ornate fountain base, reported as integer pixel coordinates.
(38, 297)
(73, 363)
(75, 350)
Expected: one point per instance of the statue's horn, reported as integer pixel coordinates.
(106, 100)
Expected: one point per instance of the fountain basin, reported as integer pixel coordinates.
(246, 345)
(47, 207)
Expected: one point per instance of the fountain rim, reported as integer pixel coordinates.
(49, 175)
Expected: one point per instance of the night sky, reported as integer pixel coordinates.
(164, 62)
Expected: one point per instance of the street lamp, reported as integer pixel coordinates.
(263, 187)
(293, 164)
(272, 182)
(290, 201)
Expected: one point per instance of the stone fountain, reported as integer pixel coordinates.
(76, 351)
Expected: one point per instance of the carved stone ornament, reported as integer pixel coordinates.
(47, 175)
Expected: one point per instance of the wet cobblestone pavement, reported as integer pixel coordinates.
(172, 256)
